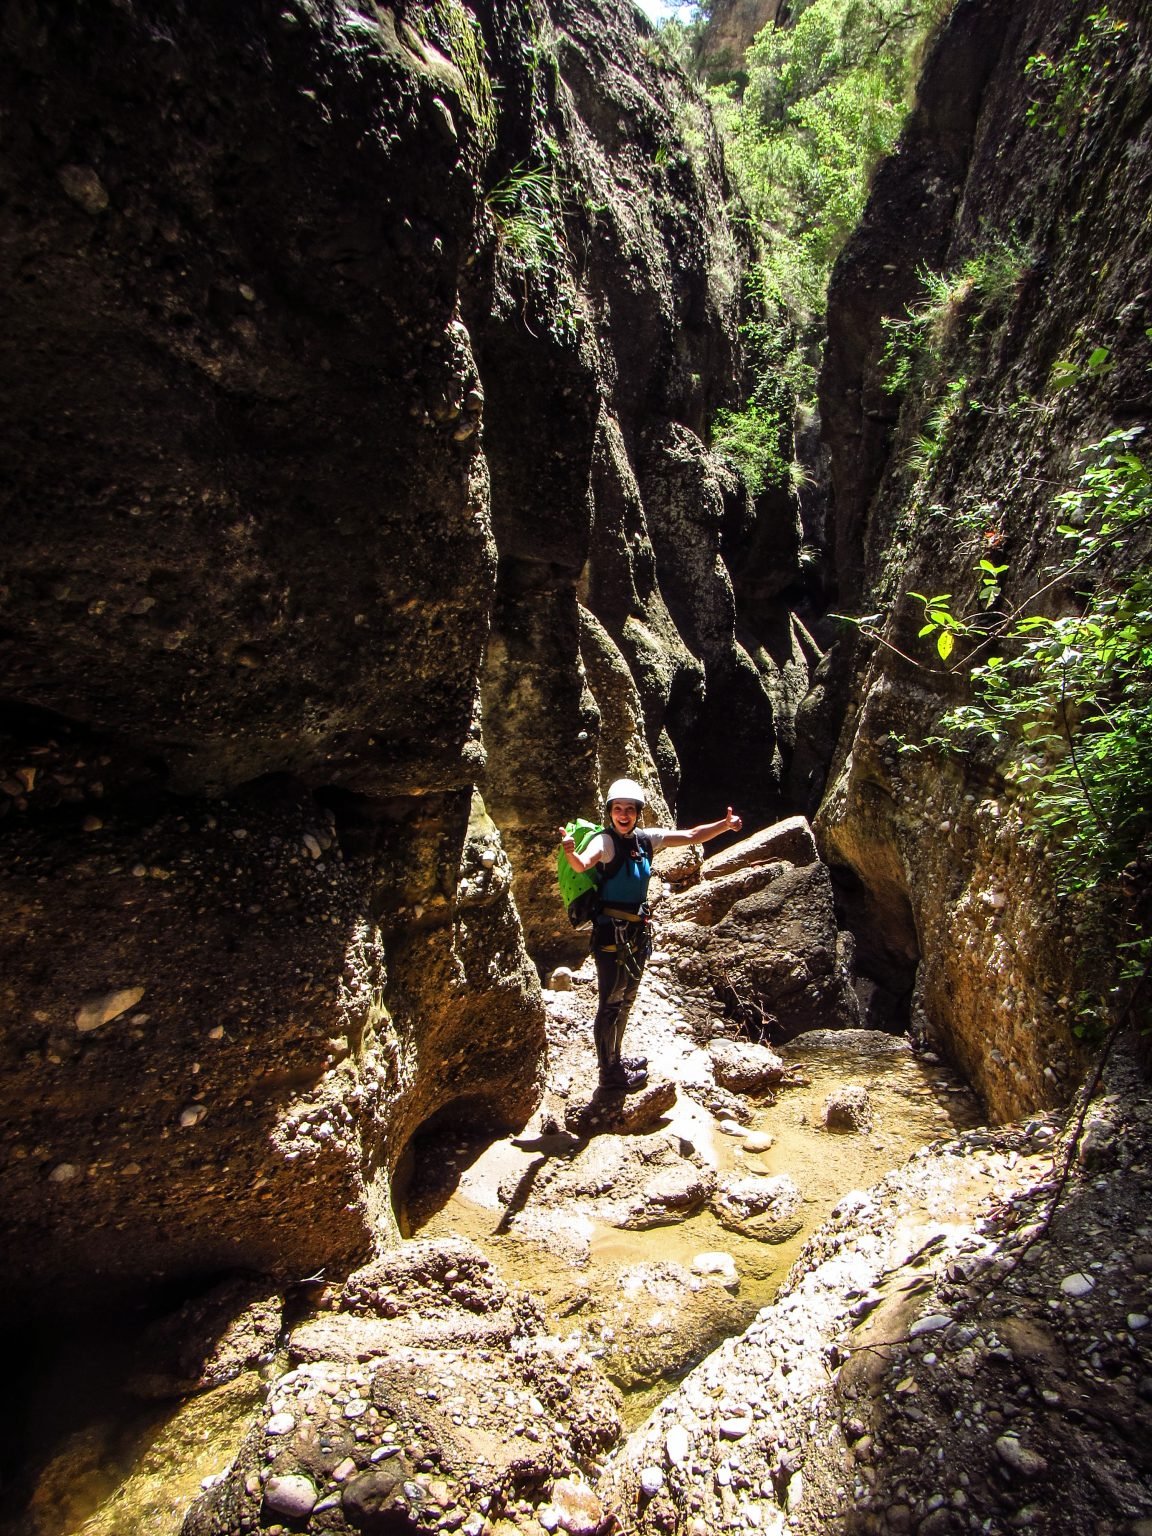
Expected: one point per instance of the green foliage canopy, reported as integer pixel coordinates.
(825, 101)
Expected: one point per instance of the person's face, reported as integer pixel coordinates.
(624, 814)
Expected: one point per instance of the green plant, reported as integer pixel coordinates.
(1065, 372)
(1069, 85)
(982, 287)
(1065, 700)
(458, 33)
(526, 211)
(751, 439)
(825, 100)
(757, 438)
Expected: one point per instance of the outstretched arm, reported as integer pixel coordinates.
(705, 832)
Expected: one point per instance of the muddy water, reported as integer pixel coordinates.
(914, 1102)
(134, 1472)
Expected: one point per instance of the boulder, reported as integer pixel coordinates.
(745, 1067)
(848, 1109)
(610, 1111)
(771, 959)
(623, 1183)
(762, 1207)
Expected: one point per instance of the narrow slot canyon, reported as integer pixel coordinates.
(421, 418)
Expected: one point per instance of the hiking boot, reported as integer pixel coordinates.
(619, 1076)
(634, 1063)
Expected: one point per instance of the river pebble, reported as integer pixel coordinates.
(651, 1481)
(677, 1445)
(1077, 1284)
(292, 1496)
(280, 1424)
(717, 1263)
(1018, 1458)
(758, 1141)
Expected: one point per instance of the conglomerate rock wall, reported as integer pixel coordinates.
(358, 526)
(1045, 177)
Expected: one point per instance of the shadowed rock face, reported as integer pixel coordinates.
(332, 529)
(229, 382)
(247, 535)
(933, 853)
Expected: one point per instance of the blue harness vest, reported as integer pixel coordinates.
(626, 877)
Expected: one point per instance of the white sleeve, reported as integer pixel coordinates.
(657, 836)
(598, 844)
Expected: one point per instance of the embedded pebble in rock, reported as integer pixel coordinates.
(1137, 1320)
(280, 1424)
(292, 1496)
(1018, 1458)
(732, 1128)
(933, 1323)
(192, 1115)
(1077, 1285)
(677, 1445)
(651, 1481)
(101, 1008)
(735, 1428)
(64, 1173)
(84, 187)
(579, 1511)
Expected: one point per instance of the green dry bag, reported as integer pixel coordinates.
(579, 890)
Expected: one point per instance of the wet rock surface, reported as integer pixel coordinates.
(956, 1350)
(932, 1352)
(371, 1431)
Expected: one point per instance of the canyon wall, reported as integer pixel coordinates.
(359, 526)
(1026, 189)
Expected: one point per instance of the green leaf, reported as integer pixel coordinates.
(945, 644)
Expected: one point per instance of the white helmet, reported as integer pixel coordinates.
(626, 789)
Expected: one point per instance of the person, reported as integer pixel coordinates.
(621, 937)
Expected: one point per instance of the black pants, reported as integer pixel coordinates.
(618, 972)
